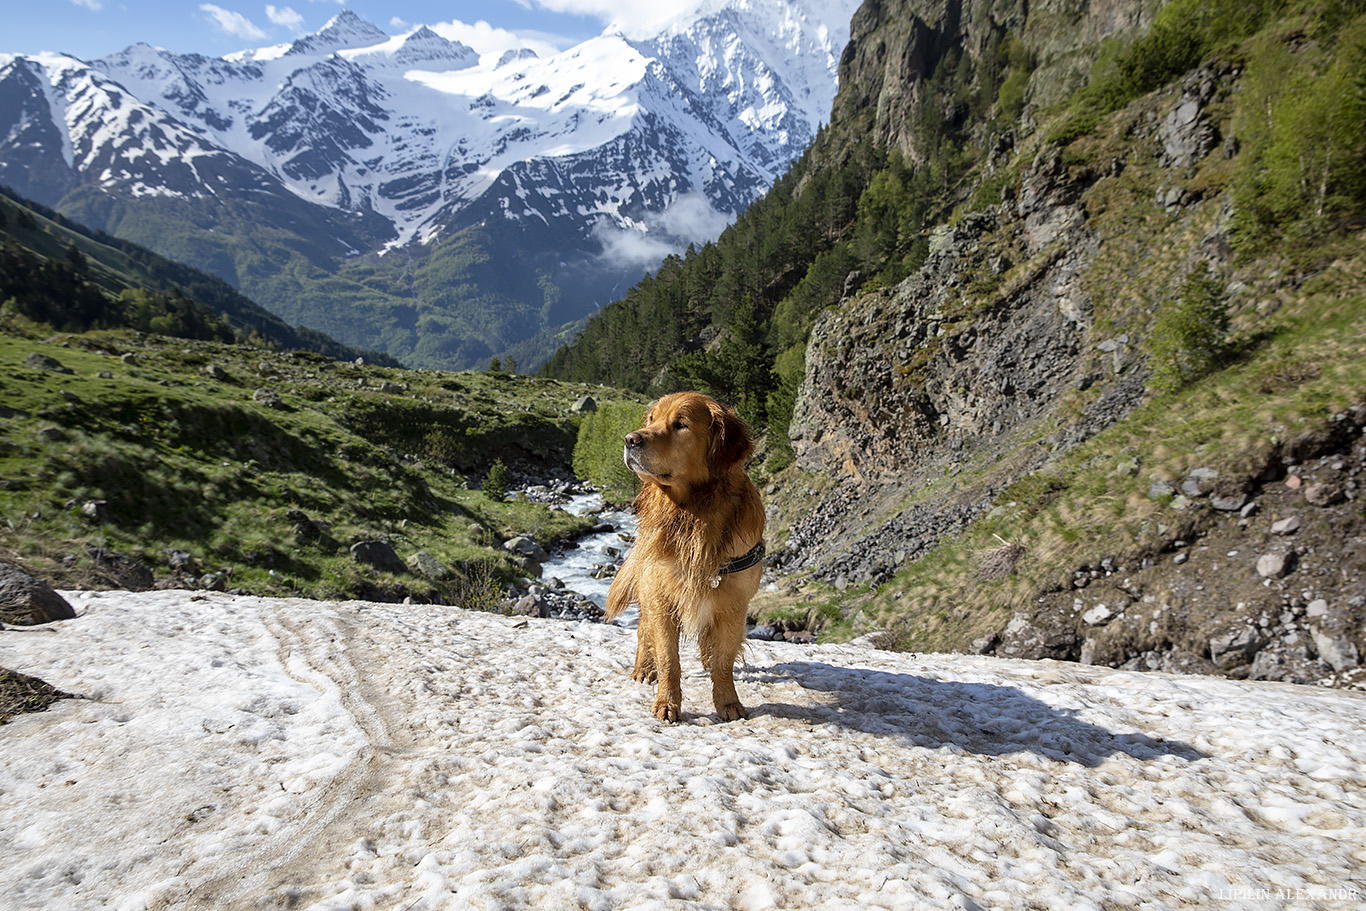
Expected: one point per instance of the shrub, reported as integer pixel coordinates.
(597, 453)
(1187, 341)
(497, 481)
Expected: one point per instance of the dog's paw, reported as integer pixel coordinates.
(645, 675)
(668, 711)
(731, 711)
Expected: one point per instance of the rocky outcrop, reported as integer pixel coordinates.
(1270, 591)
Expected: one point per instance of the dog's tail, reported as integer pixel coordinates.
(622, 594)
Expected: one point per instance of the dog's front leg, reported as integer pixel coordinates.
(720, 645)
(644, 671)
(664, 647)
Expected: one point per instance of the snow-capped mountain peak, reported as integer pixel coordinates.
(343, 31)
(416, 137)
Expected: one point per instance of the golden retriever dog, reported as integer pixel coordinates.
(699, 546)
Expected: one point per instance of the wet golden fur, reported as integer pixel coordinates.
(696, 509)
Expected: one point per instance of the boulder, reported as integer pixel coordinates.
(525, 547)
(267, 397)
(1038, 637)
(26, 601)
(1235, 648)
(424, 564)
(1330, 628)
(39, 361)
(379, 554)
(584, 405)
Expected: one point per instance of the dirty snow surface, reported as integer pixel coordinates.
(238, 752)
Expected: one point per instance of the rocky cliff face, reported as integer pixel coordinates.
(1023, 337)
(971, 352)
(895, 46)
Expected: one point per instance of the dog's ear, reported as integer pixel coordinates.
(731, 443)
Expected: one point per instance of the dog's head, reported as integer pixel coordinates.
(687, 439)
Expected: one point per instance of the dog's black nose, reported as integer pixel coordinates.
(634, 440)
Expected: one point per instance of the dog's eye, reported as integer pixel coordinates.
(679, 425)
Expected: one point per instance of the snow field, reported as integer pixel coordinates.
(245, 753)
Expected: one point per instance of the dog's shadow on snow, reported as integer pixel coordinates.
(983, 718)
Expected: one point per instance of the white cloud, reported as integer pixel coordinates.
(95, 5)
(690, 219)
(492, 42)
(631, 16)
(232, 23)
(284, 15)
(398, 24)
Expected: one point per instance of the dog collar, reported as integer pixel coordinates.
(755, 555)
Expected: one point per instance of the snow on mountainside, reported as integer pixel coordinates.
(416, 128)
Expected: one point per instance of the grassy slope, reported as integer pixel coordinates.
(188, 462)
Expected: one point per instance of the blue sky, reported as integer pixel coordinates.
(92, 28)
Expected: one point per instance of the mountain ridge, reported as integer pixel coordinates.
(586, 165)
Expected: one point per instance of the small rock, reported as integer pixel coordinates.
(267, 397)
(96, 510)
(1275, 565)
(1324, 493)
(762, 633)
(1159, 490)
(1199, 482)
(215, 372)
(390, 388)
(584, 405)
(1229, 502)
(1293, 482)
(1097, 616)
(1287, 526)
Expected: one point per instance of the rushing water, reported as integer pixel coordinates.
(575, 567)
